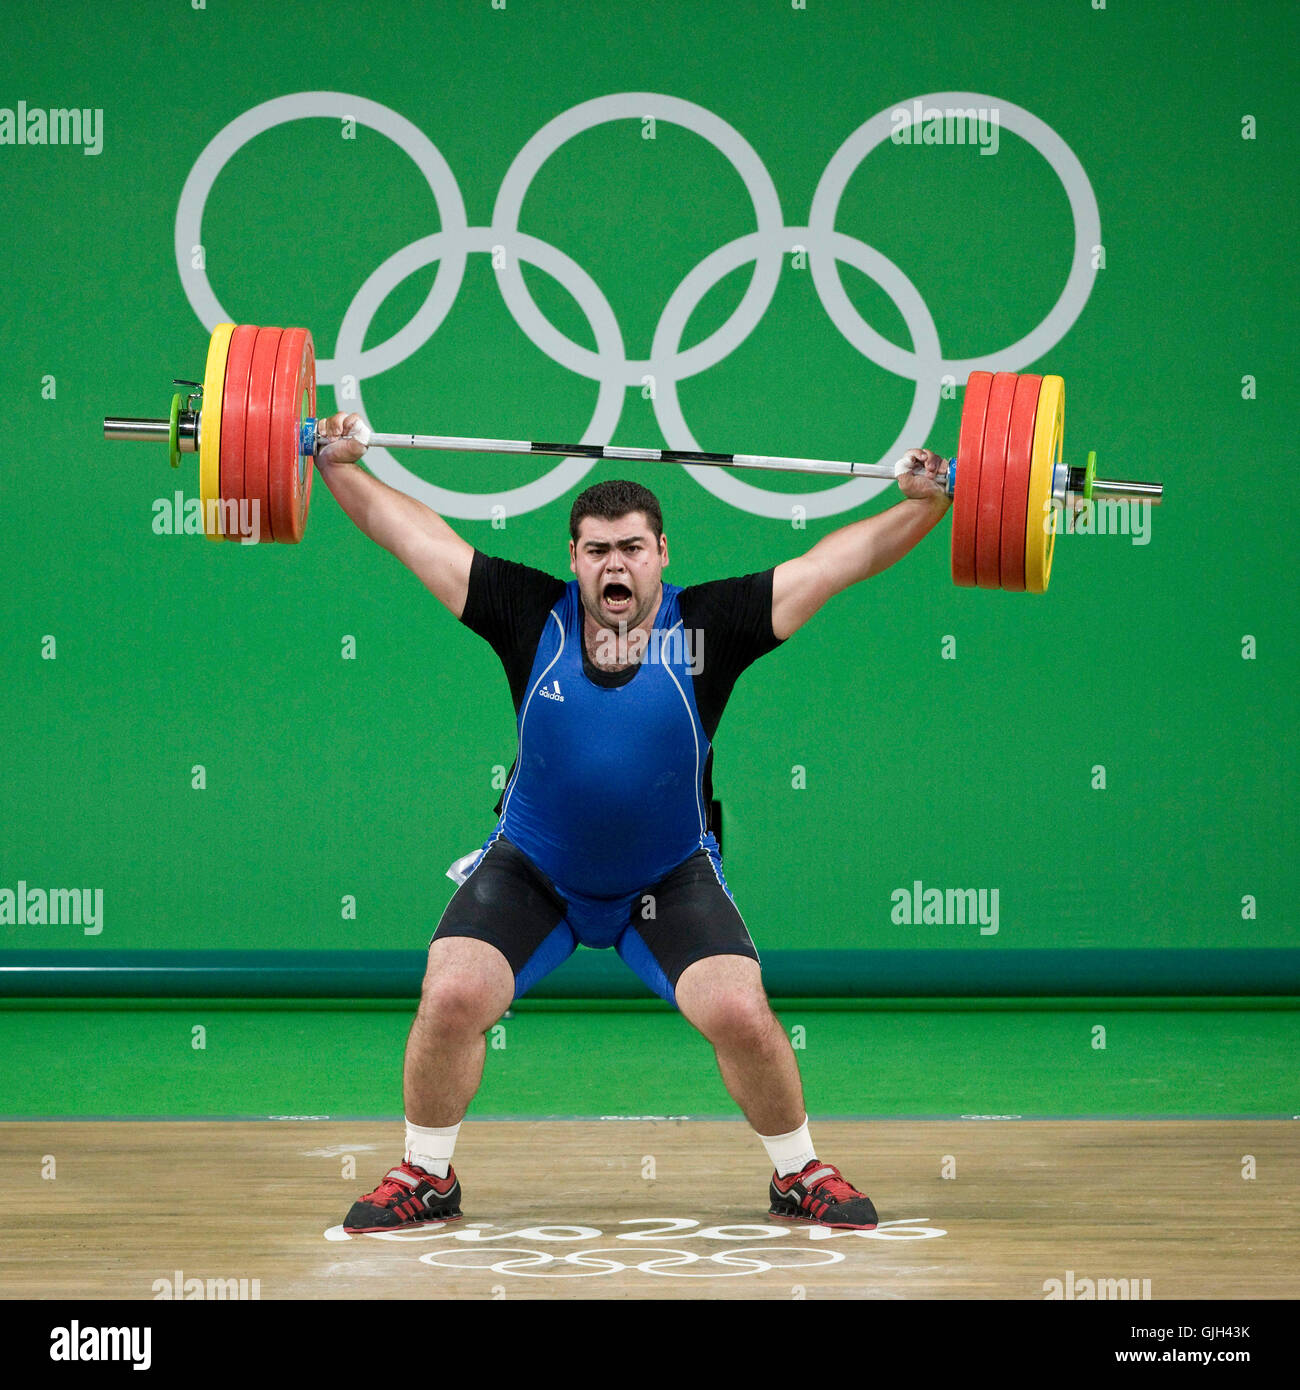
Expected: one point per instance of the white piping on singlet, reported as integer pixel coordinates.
(699, 799)
(695, 738)
(505, 805)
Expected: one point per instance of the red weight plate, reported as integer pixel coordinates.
(257, 430)
(966, 494)
(993, 464)
(234, 407)
(289, 469)
(1015, 483)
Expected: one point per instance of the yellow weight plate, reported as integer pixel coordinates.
(1040, 522)
(214, 381)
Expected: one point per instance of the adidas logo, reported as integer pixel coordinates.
(551, 693)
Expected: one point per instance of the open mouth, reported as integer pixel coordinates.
(617, 597)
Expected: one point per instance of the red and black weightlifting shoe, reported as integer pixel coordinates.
(819, 1194)
(408, 1196)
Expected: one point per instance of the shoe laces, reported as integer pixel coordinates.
(832, 1183)
(391, 1189)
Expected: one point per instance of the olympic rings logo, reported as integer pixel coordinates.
(609, 366)
(739, 1257)
(585, 1264)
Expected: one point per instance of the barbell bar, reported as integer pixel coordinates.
(252, 422)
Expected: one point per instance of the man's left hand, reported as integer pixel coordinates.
(923, 475)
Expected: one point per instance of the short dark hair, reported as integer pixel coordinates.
(614, 498)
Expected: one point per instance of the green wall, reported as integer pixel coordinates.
(329, 777)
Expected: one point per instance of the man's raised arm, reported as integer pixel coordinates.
(861, 549)
(416, 534)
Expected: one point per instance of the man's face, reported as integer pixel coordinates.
(618, 564)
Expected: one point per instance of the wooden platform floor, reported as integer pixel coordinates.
(654, 1209)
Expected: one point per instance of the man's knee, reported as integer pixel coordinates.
(468, 985)
(723, 997)
(742, 1019)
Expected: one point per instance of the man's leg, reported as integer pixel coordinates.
(502, 930)
(723, 997)
(500, 933)
(695, 951)
(468, 985)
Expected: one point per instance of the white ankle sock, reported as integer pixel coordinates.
(430, 1149)
(790, 1153)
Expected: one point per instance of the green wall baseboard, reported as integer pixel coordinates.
(601, 975)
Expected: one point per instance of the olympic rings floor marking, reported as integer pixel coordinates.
(586, 1264)
(477, 1247)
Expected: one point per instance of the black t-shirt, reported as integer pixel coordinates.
(508, 603)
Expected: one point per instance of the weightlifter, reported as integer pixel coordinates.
(619, 681)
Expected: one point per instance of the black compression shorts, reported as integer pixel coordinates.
(658, 931)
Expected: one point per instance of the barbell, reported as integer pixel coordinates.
(252, 422)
